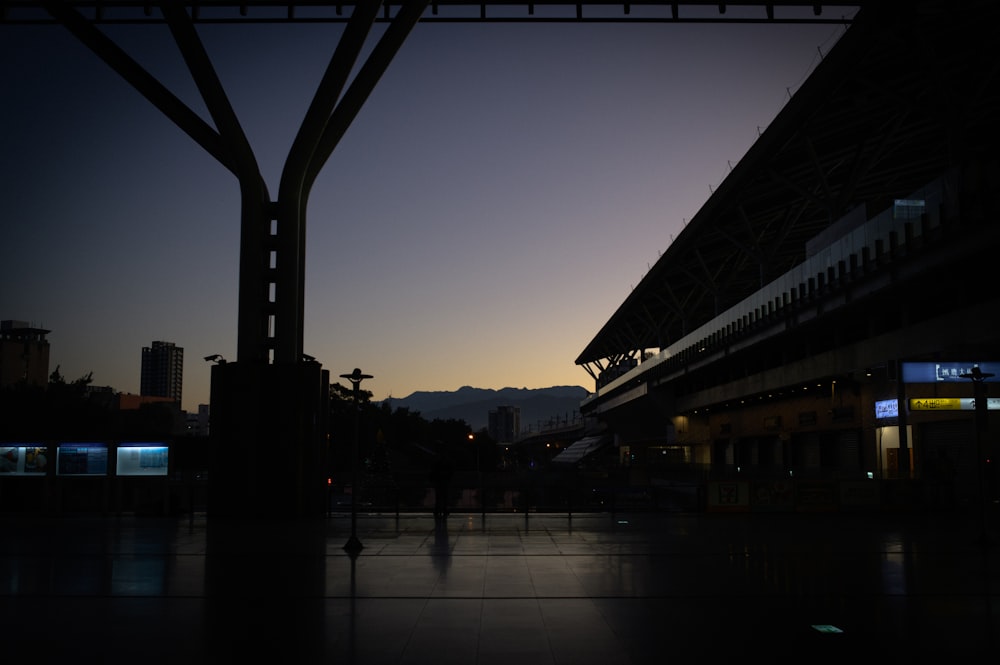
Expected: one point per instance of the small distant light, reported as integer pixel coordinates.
(871, 475)
(623, 521)
(329, 481)
(826, 628)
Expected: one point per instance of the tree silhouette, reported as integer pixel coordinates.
(57, 410)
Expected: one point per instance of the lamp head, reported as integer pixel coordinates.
(356, 377)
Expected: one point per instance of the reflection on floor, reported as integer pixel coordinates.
(504, 588)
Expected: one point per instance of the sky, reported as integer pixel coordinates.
(499, 195)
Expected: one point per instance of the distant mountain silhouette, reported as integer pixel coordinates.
(473, 405)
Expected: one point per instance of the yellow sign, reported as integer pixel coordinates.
(936, 404)
(951, 404)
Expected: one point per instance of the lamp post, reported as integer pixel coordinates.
(479, 474)
(979, 392)
(353, 545)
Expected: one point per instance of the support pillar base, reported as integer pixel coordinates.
(268, 438)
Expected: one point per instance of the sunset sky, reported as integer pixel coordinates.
(499, 195)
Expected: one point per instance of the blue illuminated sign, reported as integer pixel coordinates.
(948, 372)
(81, 459)
(142, 459)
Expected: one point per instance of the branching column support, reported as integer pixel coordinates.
(326, 121)
(254, 308)
(229, 146)
(272, 242)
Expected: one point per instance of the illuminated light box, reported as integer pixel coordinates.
(142, 459)
(887, 408)
(951, 404)
(24, 459)
(82, 459)
(948, 372)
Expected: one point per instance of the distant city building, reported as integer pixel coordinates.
(105, 396)
(130, 402)
(162, 371)
(197, 423)
(504, 424)
(164, 414)
(24, 354)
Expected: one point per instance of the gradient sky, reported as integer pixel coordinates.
(497, 198)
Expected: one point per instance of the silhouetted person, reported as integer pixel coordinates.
(441, 551)
(440, 477)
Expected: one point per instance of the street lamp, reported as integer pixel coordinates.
(979, 392)
(353, 545)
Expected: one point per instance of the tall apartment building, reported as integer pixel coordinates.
(162, 371)
(504, 424)
(24, 354)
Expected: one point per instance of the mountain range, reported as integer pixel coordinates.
(473, 405)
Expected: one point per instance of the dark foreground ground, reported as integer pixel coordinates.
(504, 588)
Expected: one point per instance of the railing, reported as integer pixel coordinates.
(513, 492)
(524, 492)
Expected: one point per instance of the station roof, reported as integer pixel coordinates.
(874, 122)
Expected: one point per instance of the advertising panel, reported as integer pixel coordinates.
(82, 459)
(24, 459)
(142, 459)
(887, 408)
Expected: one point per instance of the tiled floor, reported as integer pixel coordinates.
(505, 588)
